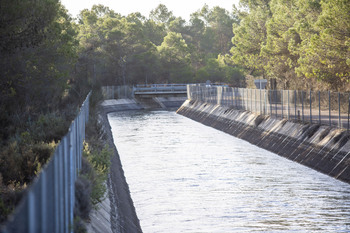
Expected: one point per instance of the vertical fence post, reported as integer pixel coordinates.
(270, 97)
(282, 103)
(256, 99)
(243, 100)
(339, 122)
(44, 221)
(236, 102)
(260, 100)
(302, 105)
(232, 97)
(319, 107)
(288, 105)
(329, 108)
(310, 106)
(295, 104)
(265, 103)
(348, 113)
(31, 212)
(251, 100)
(275, 95)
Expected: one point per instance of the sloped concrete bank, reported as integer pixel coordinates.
(117, 213)
(322, 148)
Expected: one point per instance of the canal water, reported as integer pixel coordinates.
(187, 177)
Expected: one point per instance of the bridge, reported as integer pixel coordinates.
(160, 90)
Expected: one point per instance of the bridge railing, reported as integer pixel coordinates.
(320, 107)
(48, 204)
(159, 88)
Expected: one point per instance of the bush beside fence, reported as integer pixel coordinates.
(48, 205)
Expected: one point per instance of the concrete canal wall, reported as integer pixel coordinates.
(322, 148)
(117, 212)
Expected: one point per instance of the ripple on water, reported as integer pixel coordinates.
(186, 177)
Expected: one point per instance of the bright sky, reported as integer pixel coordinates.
(178, 7)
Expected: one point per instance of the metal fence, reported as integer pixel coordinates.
(160, 88)
(48, 205)
(117, 92)
(320, 107)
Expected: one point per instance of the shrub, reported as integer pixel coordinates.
(82, 197)
(25, 160)
(49, 127)
(100, 162)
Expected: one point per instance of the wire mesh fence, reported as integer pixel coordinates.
(48, 205)
(318, 107)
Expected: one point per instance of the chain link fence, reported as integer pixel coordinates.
(319, 107)
(48, 205)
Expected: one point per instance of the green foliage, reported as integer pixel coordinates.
(249, 36)
(9, 198)
(99, 160)
(25, 158)
(118, 50)
(24, 23)
(216, 70)
(296, 42)
(57, 124)
(326, 54)
(82, 196)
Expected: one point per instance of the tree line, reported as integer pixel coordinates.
(162, 48)
(302, 44)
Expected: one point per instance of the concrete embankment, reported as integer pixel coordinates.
(322, 148)
(117, 212)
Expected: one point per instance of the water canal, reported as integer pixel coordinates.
(187, 177)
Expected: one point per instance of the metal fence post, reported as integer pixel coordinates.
(251, 100)
(329, 108)
(270, 95)
(319, 107)
(288, 105)
(66, 182)
(31, 212)
(235, 96)
(282, 103)
(243, 99)
(256, 99)
(302, 105)
(275, 94)
(310, 107)
(44, 221)
(260, 101)
(295, 105)
(348, 113)
(339, 122)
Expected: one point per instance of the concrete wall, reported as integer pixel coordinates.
(117, 212)
(319, 147)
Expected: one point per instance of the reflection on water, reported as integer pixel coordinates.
(186, 177)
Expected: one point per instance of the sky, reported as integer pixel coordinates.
(180, 8)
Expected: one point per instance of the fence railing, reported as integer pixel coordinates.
(141, 88)
(117, 92)
(320, 107)
(48, 204)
